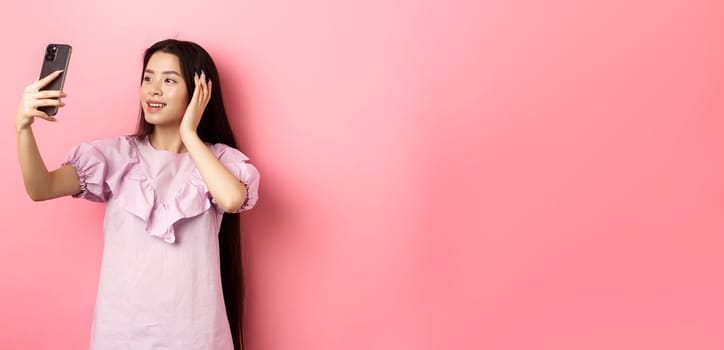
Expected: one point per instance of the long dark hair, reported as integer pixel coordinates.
(213, 128)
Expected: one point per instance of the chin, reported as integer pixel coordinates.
(159, 120)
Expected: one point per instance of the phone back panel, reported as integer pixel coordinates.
(57, 57)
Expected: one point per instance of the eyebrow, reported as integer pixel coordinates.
(164, 72)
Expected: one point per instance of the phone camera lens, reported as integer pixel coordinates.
(55, 48)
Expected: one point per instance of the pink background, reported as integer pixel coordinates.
(435, 174)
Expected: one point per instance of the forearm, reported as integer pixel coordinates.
(228, 192)
(35, 174)
(39, 183)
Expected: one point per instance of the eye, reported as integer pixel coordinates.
(146, 78)
(169, 81)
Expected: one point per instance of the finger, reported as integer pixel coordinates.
(48, 94)
(45, 81)
(42, 115)
(46, 102)
(206, 81)
(201, 87)
(210, 86)
(47, 117)
(196, 87)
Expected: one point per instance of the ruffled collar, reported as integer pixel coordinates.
(136, 194)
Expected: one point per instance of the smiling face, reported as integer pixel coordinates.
(164, 96)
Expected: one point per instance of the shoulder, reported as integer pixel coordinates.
(111, 143)
(113, 149)
(222, 151)
(114, 142)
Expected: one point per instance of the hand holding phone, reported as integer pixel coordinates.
(56, 57)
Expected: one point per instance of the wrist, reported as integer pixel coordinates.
(188, 135)
(21, 127)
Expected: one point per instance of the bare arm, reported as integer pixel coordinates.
(40, 184)
(228, 192)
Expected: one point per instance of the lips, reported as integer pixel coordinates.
(155, 104)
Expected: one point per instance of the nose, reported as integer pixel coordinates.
(154, 88)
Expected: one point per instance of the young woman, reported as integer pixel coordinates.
(171, 270)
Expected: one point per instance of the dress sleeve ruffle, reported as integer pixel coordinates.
(236, 163)
(91, 166)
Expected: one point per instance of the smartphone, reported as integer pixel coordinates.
(57, 57)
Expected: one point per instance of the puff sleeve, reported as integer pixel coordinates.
(237, 163)
(90, 164)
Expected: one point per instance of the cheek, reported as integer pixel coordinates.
(179, 95)
(184, 101)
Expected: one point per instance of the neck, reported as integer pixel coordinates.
(167, 139)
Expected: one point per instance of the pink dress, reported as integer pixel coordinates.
(160, 285)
